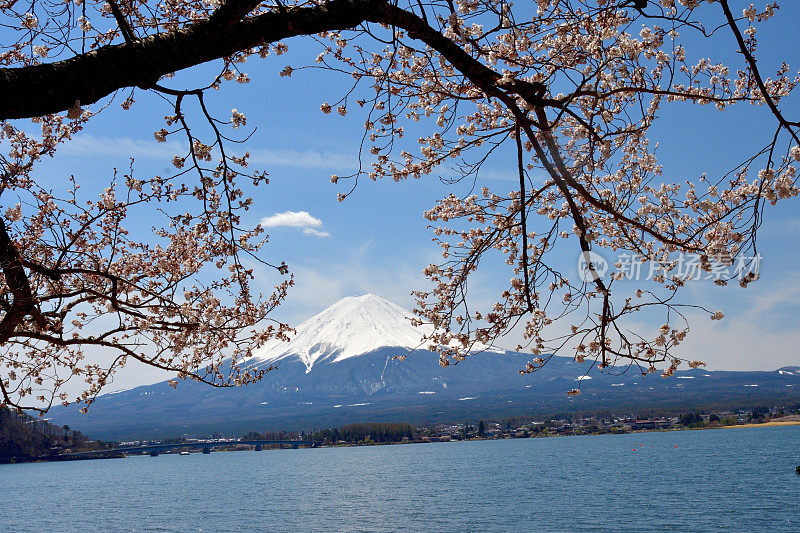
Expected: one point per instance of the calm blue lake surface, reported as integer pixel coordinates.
(727, 479)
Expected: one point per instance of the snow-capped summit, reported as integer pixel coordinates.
(352, 326)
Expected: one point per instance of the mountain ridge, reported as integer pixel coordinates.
(321, 379)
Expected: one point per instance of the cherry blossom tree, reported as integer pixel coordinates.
(565, 89)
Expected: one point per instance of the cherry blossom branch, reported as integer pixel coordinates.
(751, 61)
(37, 90)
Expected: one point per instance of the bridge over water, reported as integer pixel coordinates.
(154, 449)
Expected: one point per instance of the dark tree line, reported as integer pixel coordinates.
(366, 432)
(24, 436)
(272, 435)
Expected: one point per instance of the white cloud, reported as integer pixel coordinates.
(743, 343)
(774, 298)
(292, 219)
(316, 233)
(361, 270)
(757, 333)
(783, 226)
(295, 219)
(89, 145)
(309, 159)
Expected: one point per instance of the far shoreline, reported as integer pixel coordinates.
(765, 424)
(60, 458)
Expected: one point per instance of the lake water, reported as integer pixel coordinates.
(727, 479)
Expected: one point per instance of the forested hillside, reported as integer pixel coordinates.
(23, 436)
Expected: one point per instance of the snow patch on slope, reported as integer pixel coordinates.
(352, 326)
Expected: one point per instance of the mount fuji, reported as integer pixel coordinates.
(351, 327)
(341, 366)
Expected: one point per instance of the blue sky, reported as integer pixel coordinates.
(377, 240)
